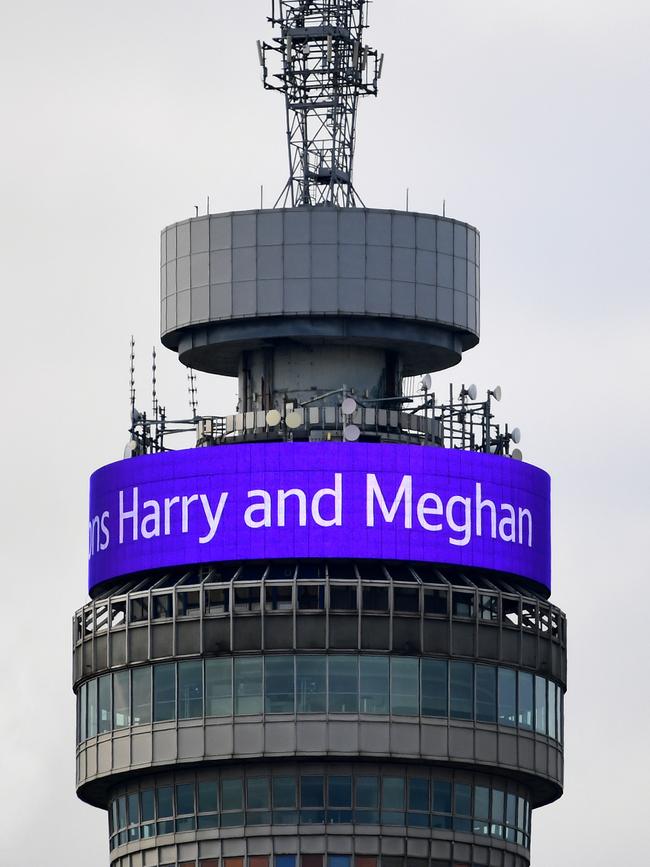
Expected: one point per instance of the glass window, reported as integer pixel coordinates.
(507, 697)
(525, 700)
(482, 804)
(367, 791)
(441, 796)
(105, 718)
(232, 794)
(486, 693)
(392, 793)
(343, 684)
(462, 807)
(163, 606)
(375, 599)
(406, 600)
(165, 801)
(218, 687)
(404, 692)
(248, 685)
(311, 597)
(141, 686)
(208, 800)
(188, 603)
(311, 684)
(552, 729)
(258, 794)
(190, 689)
(488, 607)
(339, 799)
(392, 801)
(133, 808)
(121, 812)
(343, 597)
(284, 792)
(367, 800)
(374, 676)
(216, 600)
(279, 597)
(185, 799)
(462, 604)
(279, 684)
(121, 716)
(511, 817)
(436, 602)
(311, 791)
(164, 691)
(83, 712)
(247, 599)
(434, 687)
(481, 810)
(147, 805)
(498, 815)
(285, 861)
(339, 860)
(461, 690)
(418, 794)
(339, 791)
(232, 803)
(540, 705)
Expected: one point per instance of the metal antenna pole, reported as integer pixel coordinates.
(323, 68)
(193, 392)
(132, 384)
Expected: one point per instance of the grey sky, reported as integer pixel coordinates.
(531, 119)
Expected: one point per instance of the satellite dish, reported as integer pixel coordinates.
(273, 418)
(136, 415)
(515, 435)
(293, 420)
(351, 433)
(349, 406)
(517, 455)
(130, 448)
(471, 392)
(426, 382)
(496, 393)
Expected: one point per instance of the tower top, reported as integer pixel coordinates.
(322, 66)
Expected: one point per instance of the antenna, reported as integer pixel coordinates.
(193, 392)
(132, 382)
(154, 393)
(322, 68)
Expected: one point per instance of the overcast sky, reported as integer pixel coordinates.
(530, 119)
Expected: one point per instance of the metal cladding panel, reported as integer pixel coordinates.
(380, 262)
(319, 500)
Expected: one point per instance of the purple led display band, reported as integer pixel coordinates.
(319, 500)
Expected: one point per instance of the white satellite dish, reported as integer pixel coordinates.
(293, 420)
(130, 448)
(517, 455)
(349, 406)
(496, 393)
(273, 418)
(427, 382)
(351, 433)
(515, 435)
(471, 392)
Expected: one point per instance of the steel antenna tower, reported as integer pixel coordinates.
(324, 67)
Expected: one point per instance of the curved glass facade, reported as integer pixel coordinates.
(368, 796)
(319, 684)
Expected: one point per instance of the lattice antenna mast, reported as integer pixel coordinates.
(324, 67)
(132, 384)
